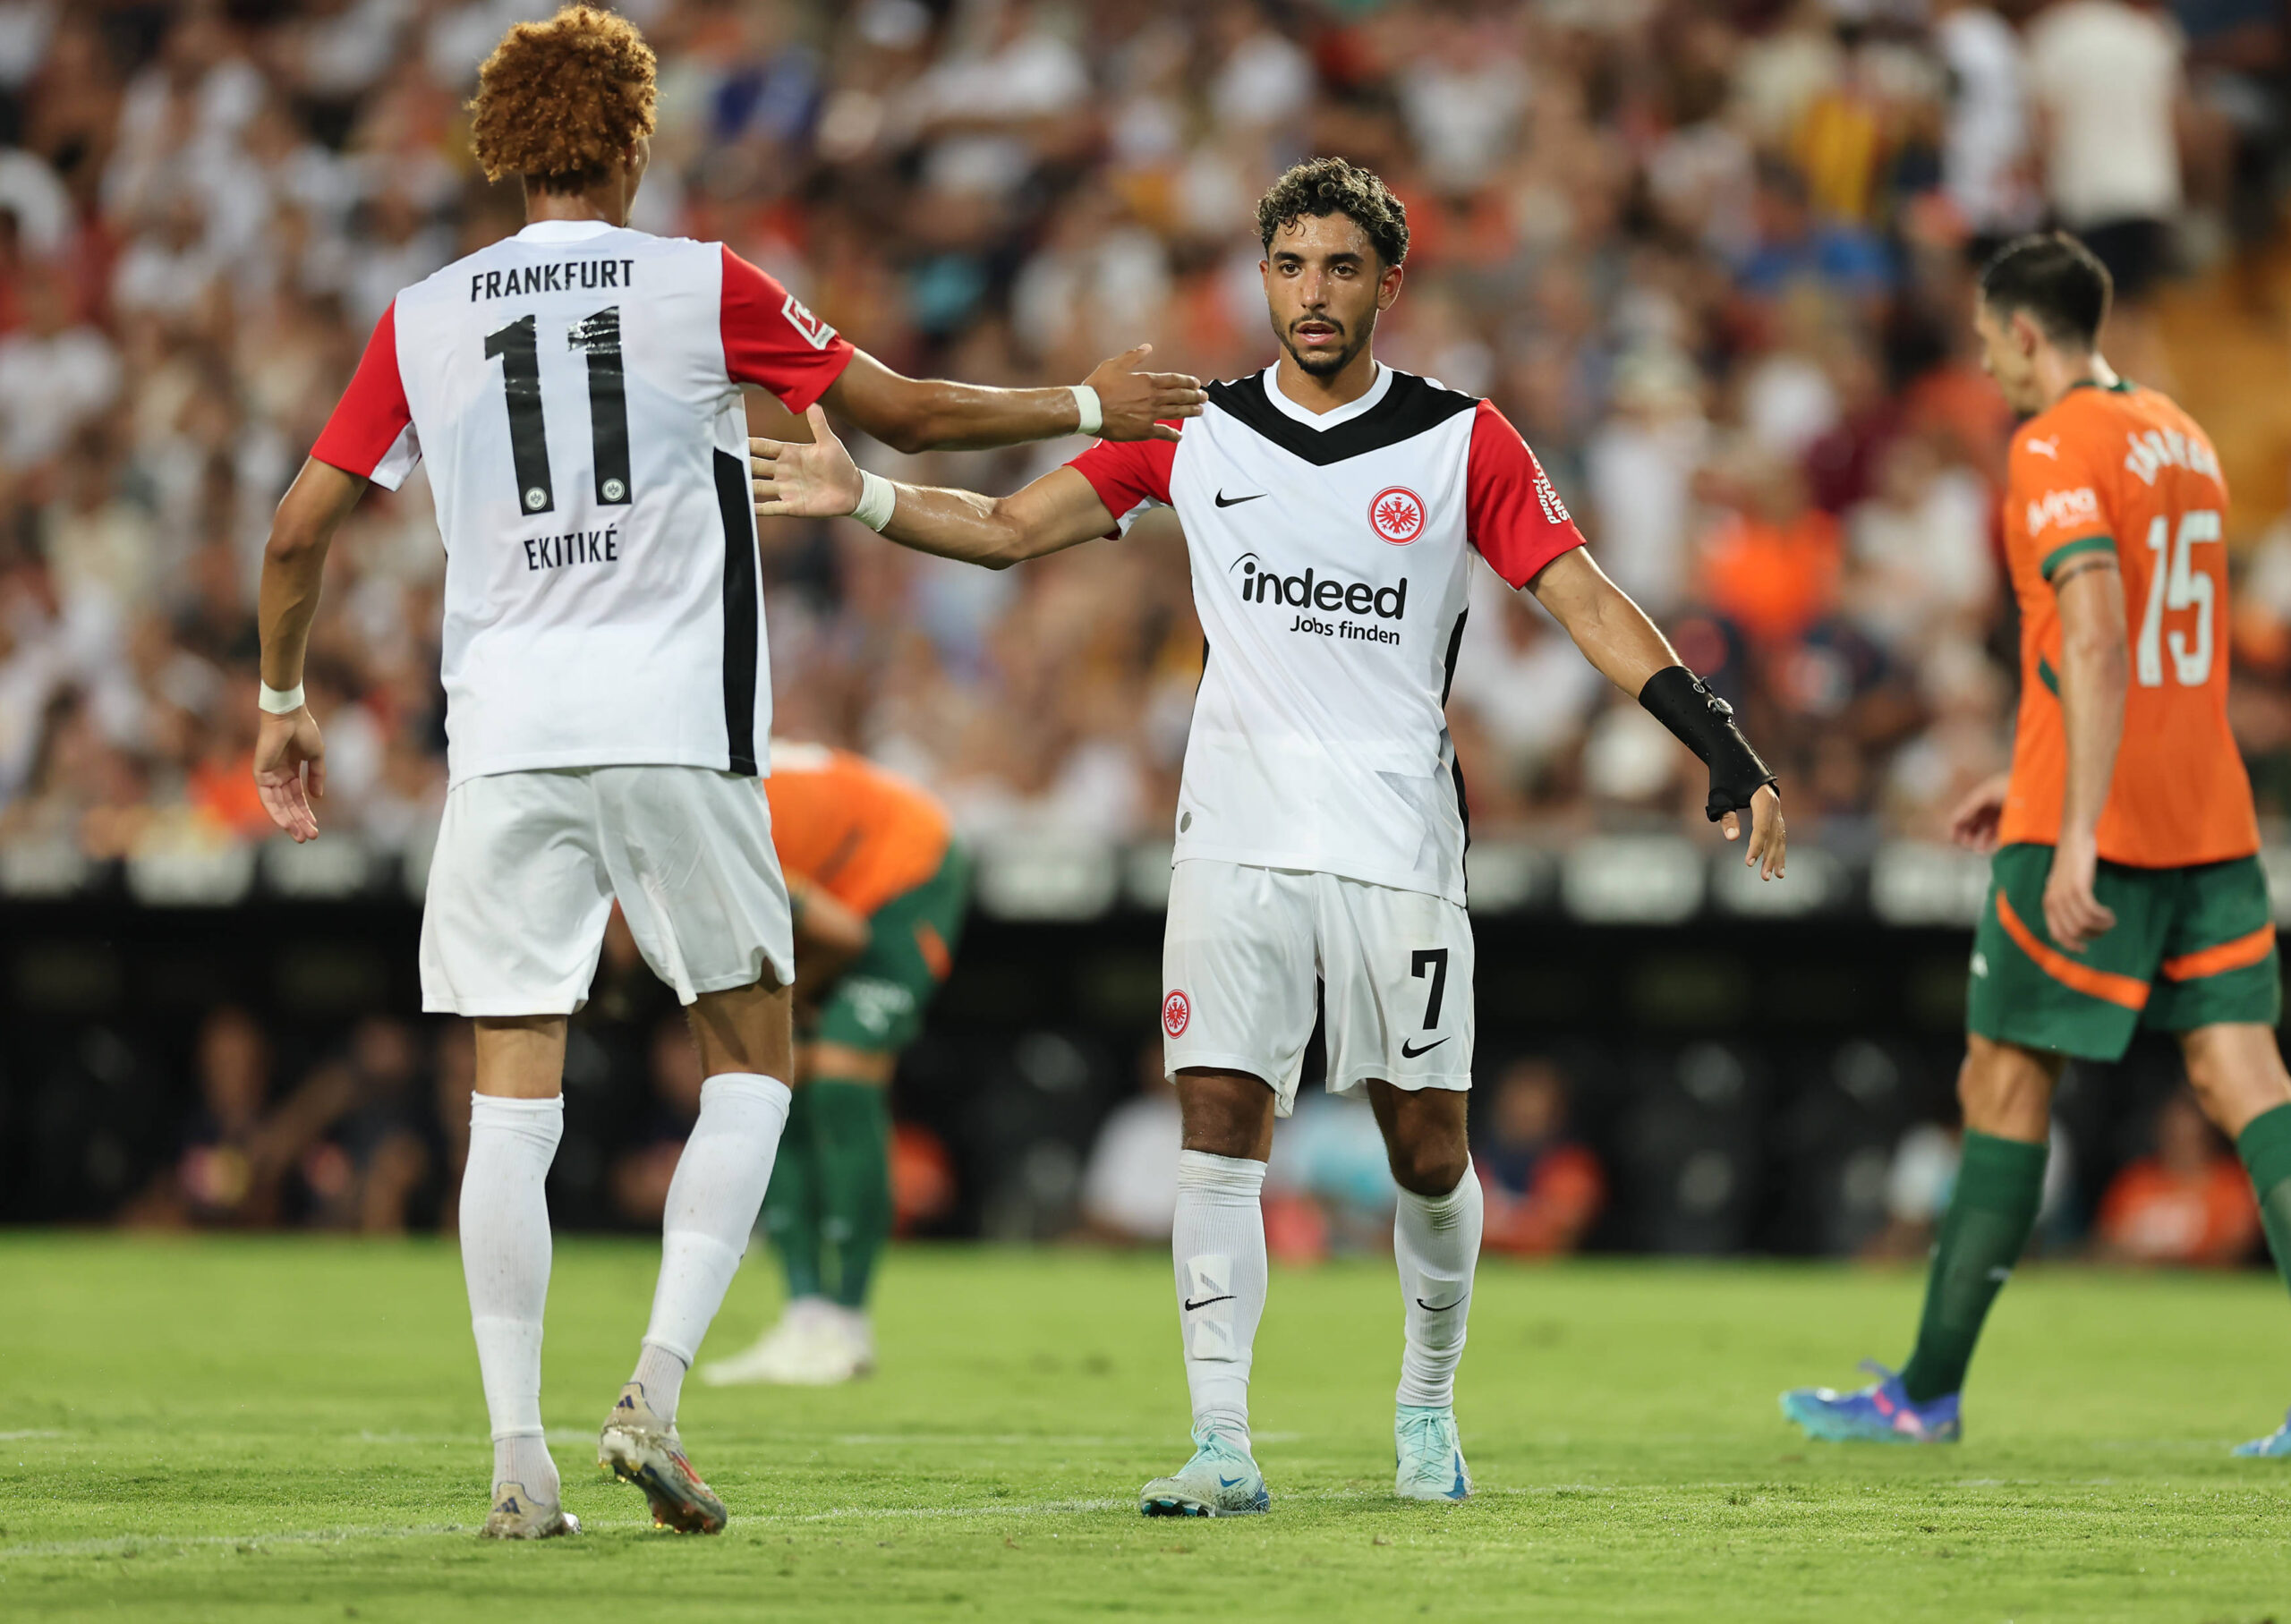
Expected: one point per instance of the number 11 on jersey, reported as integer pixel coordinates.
(598, 338)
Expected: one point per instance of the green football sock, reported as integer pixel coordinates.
(791, 1202)
(2000, 1186)
(853, 1133)
(2265, 1146)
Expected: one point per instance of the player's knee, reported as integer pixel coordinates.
(2236, 1072)
(2006, 1090)
(1430, 1167)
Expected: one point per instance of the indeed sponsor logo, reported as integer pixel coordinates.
(1326, 593)
(2075, 507)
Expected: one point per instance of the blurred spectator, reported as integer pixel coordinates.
(374, 1152)
(1544, 1190)
(1328, 1189)
(647, 1159)
(1923, 1174)
(2108, 84)
(455, 1070)
(234, 1157)
(2186, 1202)
(1129, 1184)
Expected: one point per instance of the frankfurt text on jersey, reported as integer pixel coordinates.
(557, 277)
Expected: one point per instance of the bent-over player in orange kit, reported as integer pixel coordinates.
(880, 886)
(2126, 889)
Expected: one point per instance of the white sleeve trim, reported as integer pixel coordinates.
(398, 461)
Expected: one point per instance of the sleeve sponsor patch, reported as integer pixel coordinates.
(2059, 509)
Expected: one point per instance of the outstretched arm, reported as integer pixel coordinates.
(2094, 673)
(1630, 652)
(312, 509)
(916, 414)
(821, 482)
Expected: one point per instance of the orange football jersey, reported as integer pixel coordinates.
(861, 834)
(2124, 470)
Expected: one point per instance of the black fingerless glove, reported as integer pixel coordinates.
(1705, 724)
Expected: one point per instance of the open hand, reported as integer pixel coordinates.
(1973, 821)
(1768, 838)
(796, 482)
(1131, 404)
(2073, 914)
(284, 747)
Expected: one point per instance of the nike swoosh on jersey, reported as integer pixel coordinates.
(1406, 1053)
(1204, 1301)
(1225, 501)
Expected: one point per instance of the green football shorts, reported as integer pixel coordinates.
(2191, 947)
(878, 1003)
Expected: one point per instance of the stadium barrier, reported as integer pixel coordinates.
(1743, 1058)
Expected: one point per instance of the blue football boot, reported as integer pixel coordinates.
(2275, 1446)
(1220, 1480)
(1880, 1413)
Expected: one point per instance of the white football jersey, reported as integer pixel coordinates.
(575, 390)
(1329, 556)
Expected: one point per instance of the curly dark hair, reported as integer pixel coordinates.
(1322, 186)
(559, 101)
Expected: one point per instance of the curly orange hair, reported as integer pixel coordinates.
(559, 101)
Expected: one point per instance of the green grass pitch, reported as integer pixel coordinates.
(273, 1430)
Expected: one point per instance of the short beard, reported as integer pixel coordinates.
(1326, 364)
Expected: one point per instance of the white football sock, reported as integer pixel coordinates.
(1218, 1245)
(505, 1261)
(1435, 1241)
(712, 1202)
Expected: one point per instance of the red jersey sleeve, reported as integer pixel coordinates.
(1130, 476)
(1511, 514)
(372, 431)
(771, 340)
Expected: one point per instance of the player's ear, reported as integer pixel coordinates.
(1388, 285)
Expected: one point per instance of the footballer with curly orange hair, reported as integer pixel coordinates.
(576, 390)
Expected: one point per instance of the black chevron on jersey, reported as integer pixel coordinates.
(1410, 405)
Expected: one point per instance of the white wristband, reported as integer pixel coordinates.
(877, 498)
(281, 701)
(1087, 407)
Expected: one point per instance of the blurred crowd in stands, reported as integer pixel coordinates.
(1712, 256)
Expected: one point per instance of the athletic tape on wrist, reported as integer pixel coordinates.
(877, 498)
(280, 701)
(1088, 409)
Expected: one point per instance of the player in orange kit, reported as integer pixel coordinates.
(880, 888)
(2126, 889)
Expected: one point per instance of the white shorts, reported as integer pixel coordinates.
(1247, 949)
(528, 864)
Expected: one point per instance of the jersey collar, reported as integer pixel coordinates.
(1323, 422)
(564, 231)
